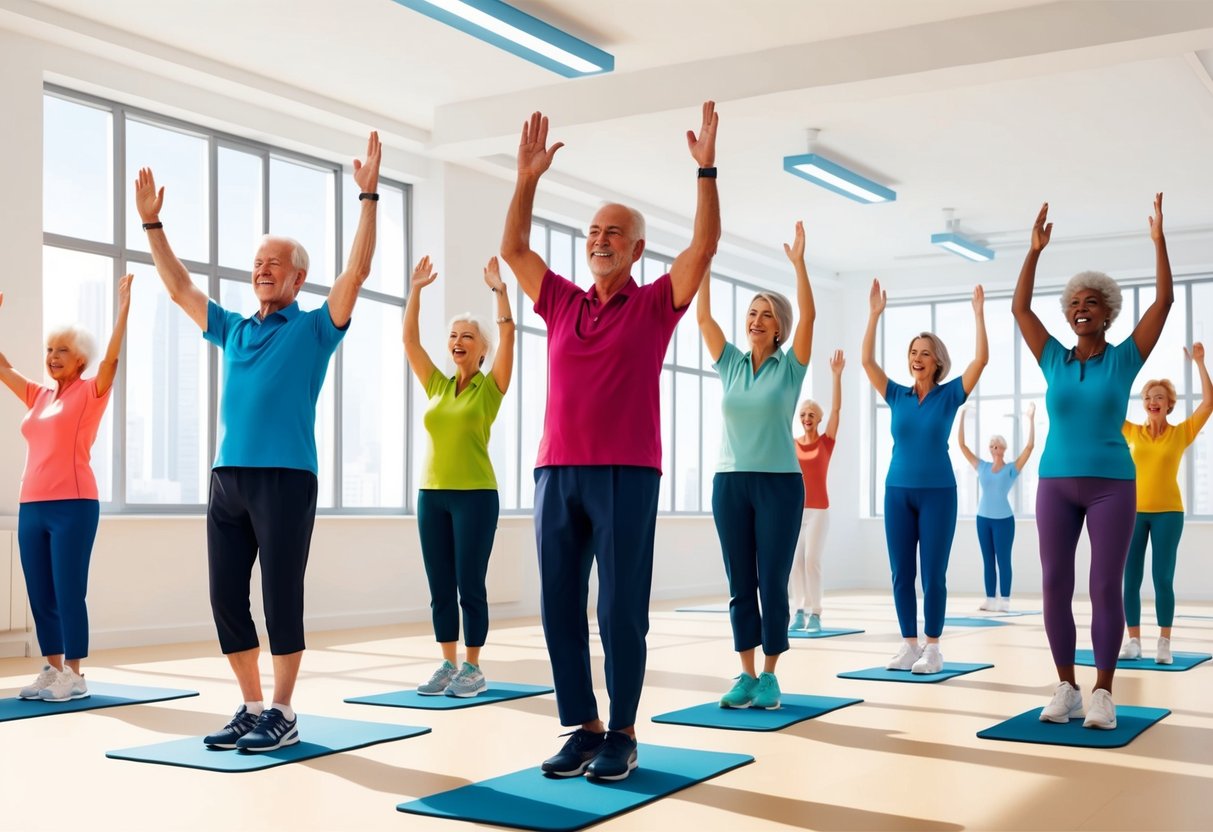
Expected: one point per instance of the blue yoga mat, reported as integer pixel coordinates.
(101, 695)
(497, 692)
(879, 674)
(1183, 661)
(1013, 613)
(824, 632)
(1027, 727)
(319, 736)
(971, 621)
(528, 800)
(706, 608)
(1202, 617)
(794, 708)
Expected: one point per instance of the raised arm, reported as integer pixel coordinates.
(344, 293)
(1034, 333)
(503, 362)
(109, 363)
(877, 300)
(181, 290)
(802, 341)
(419, 360)
(1145, 335)
(534, 158)
(713, 335)
(960, 439)
(12, 379)
(837, 362)
(981, 354)
(1026, 453)
(1205, 408)
(693, 263)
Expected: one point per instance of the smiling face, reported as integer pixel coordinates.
(1157, 402)
(276, 281)
(611, 243)
(1088, 312)
(924, 365)
(64, 362)
(761, 325)
(466, 345)
(810, 417)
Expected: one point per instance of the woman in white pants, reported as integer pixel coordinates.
(813, 450)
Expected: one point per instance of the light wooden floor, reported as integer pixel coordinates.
(906, 758)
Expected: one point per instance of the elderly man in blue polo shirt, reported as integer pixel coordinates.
(263, 483)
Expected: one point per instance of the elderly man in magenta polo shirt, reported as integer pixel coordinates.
(263, 485)
(599, 466)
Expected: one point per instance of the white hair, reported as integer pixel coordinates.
(999, 439)
(809, 404)
(299, 259)
(1099, 282)
(638, 224)
(82, 340)
(482, 330)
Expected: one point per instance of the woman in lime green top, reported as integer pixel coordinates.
(457, 505)
(1157, 448)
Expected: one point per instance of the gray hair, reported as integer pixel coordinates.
(809, 404)
(638, 224)
(999, 439)
(782, 310)
(939, 350)
(81, 339)
(1096, 281)
(482, 329)
(299, 259)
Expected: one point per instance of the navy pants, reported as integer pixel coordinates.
(758, 520)
(996, 535)
(918, 525)
(608, 513)
(457, 530)
(56, 541)
(266, 512)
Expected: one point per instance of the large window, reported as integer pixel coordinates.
(222, 192)
(1012, 380)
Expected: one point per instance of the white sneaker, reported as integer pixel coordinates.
(1132, 649)
(906, 656)
(988, 605)
(67, 685)
(1163, 655)
(1065, 705)
(1102, 713)
(931, 660)
(39, 684)
(1004, 604)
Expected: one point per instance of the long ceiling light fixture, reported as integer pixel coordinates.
(830, 175)
(957, 243)
(515, 31)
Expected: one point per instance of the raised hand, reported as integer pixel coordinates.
(1196, 353)
(979, 299)
(703, 146)
(795, 251)
(534, 155)
(1031, 410)
(124, 292)
(492, 276)
(1042, 230)
(877, 299)
(1, 298)
(1156, 220)
(423, 274)
(147, 199)
(366, 174)
(837, 362)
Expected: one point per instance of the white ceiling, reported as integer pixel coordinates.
(987, 106)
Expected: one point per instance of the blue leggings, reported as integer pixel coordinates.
(56, 540)
(457, 530)
(920, 522)
(1163, 528)
(996, 535)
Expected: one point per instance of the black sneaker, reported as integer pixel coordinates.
(241, 724)
(273, 731)
(576, 754)
(615, 760)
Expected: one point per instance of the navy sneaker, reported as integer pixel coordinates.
(578, 751)
(273, 731)
(241, 724)
(616, 759)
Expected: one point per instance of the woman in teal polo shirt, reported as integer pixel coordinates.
(457, 505)
(758, 491)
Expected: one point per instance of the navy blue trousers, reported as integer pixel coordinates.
(919, 524)
(56, 541)
(996, 536)
(457, 530)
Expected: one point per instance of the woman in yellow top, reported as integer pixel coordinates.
(1158, 448)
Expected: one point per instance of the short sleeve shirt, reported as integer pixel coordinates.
(814, 459)
(59, 432)
(920, 434)
(604, 372)
(457, 429)
(995, 489)
(1157, 461)
(273, 370)
(1086, 402)
(757, 409)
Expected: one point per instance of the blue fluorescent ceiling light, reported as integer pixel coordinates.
(821, 171)
(959, 244)
(515, 31)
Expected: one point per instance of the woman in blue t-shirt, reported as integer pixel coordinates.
(920, 489)
(995, 519)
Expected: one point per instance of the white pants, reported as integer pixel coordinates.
(804, 591)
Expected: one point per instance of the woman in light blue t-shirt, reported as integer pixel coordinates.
(995, 519)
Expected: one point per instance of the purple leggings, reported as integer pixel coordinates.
(1110, 508)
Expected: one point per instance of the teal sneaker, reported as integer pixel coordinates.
(437, 685)
(742, 692)
(814, 625)
(468, 683)
(766, 693)
(797, 621)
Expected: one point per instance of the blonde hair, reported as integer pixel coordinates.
(942, 360)
(782, 309)
(485, 334)
(1165, 384)
(809, 404)
(1099, 282)
(82, 341)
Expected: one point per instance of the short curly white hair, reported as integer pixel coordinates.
(81, 340)
(1096, 281)
(482, 330)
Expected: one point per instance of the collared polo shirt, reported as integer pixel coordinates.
(60, 433)
(1157, 462)
(920, 434)
(273, 370)
(457, 433)
(814, 459)
(995, 489)
(604, 372)
(758, 410)
(1086, 402)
